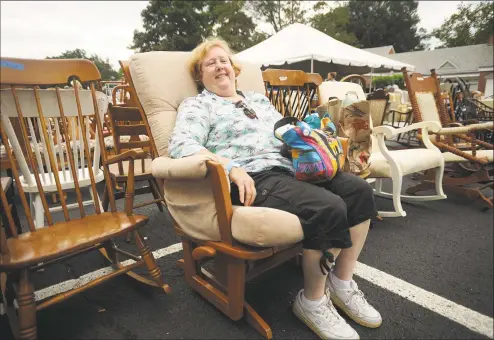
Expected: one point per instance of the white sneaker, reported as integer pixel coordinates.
(324, 320)
(353, 303)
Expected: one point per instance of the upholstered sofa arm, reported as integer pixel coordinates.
(187, 168)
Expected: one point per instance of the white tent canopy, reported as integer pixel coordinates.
(299, 42)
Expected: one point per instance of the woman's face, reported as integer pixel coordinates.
(218, 75)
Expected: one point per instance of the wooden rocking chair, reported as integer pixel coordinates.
(469, 173)
(22, 253)
(241, 241)
(292, 92)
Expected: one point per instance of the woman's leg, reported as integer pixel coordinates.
(359, 198)
(314, 279)
(347, 260)
(323, 216)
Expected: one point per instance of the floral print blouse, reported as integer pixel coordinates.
(208, 121)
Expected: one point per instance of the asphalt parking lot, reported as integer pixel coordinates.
(430, 274)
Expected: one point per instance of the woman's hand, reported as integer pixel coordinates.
(246, 186)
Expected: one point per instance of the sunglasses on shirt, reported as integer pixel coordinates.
(247, 110)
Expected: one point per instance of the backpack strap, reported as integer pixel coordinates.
(285, 121)
(282, 122)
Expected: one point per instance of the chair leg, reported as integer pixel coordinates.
(439, 180)
(94, 202)
(27, 308)
(397, 184)
(156, 193)
(106, 199)
(36, 203)
(150, 262)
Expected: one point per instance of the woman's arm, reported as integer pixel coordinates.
(189, 138)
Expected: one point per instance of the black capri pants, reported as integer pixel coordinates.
(326, 210)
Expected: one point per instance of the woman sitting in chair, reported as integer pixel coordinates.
(237, 128)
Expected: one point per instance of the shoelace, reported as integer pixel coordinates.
(359, 295)
(330, 313)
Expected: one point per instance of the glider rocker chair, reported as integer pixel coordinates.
(64, 235)
(469, 171)
(242, 242)
(394, 164)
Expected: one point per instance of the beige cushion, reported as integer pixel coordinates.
(262, 227)
(162, 82)
(188, 193)
(339, 90)
(408, 160)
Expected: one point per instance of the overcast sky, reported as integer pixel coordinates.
(49, 28)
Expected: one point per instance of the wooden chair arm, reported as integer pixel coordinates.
(127, 155)
(222, 200)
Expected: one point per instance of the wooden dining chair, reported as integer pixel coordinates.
(292, 92)
(63, 235)
(127, 122)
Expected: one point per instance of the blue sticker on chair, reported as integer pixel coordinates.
(11, 64)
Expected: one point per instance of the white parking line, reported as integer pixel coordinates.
(473, 320)
(466, 317)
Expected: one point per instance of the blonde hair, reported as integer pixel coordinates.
(198, 54)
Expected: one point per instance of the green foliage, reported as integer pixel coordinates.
(334, 22)
(234, 25)
(278, 13)
(105, 69)
(173, 26)
(182, 25)
(380, 23)
(470, 25)
(383, 81)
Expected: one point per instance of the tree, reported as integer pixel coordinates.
(182, 25)
(278, 13)
(234, 25)
(380, 23)
(470, 25)
(334, 22)
(172, 26)
(105, 69)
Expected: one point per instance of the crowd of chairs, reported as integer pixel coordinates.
(55, 139)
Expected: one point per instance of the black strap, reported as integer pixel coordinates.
(285, 121)
(282, 122)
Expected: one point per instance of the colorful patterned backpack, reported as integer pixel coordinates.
(317, 154)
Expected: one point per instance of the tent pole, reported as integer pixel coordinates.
(312, 64)
(370, 83)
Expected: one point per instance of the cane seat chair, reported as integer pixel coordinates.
(469, 169)
(378, 102)
(63, 235)
(241, 242)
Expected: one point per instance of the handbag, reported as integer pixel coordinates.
(355, 125)
(317, 155)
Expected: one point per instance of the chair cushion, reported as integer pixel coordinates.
(408, 160)
(189, 196)
(162, 81)
(66, 238)
(265, 227)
